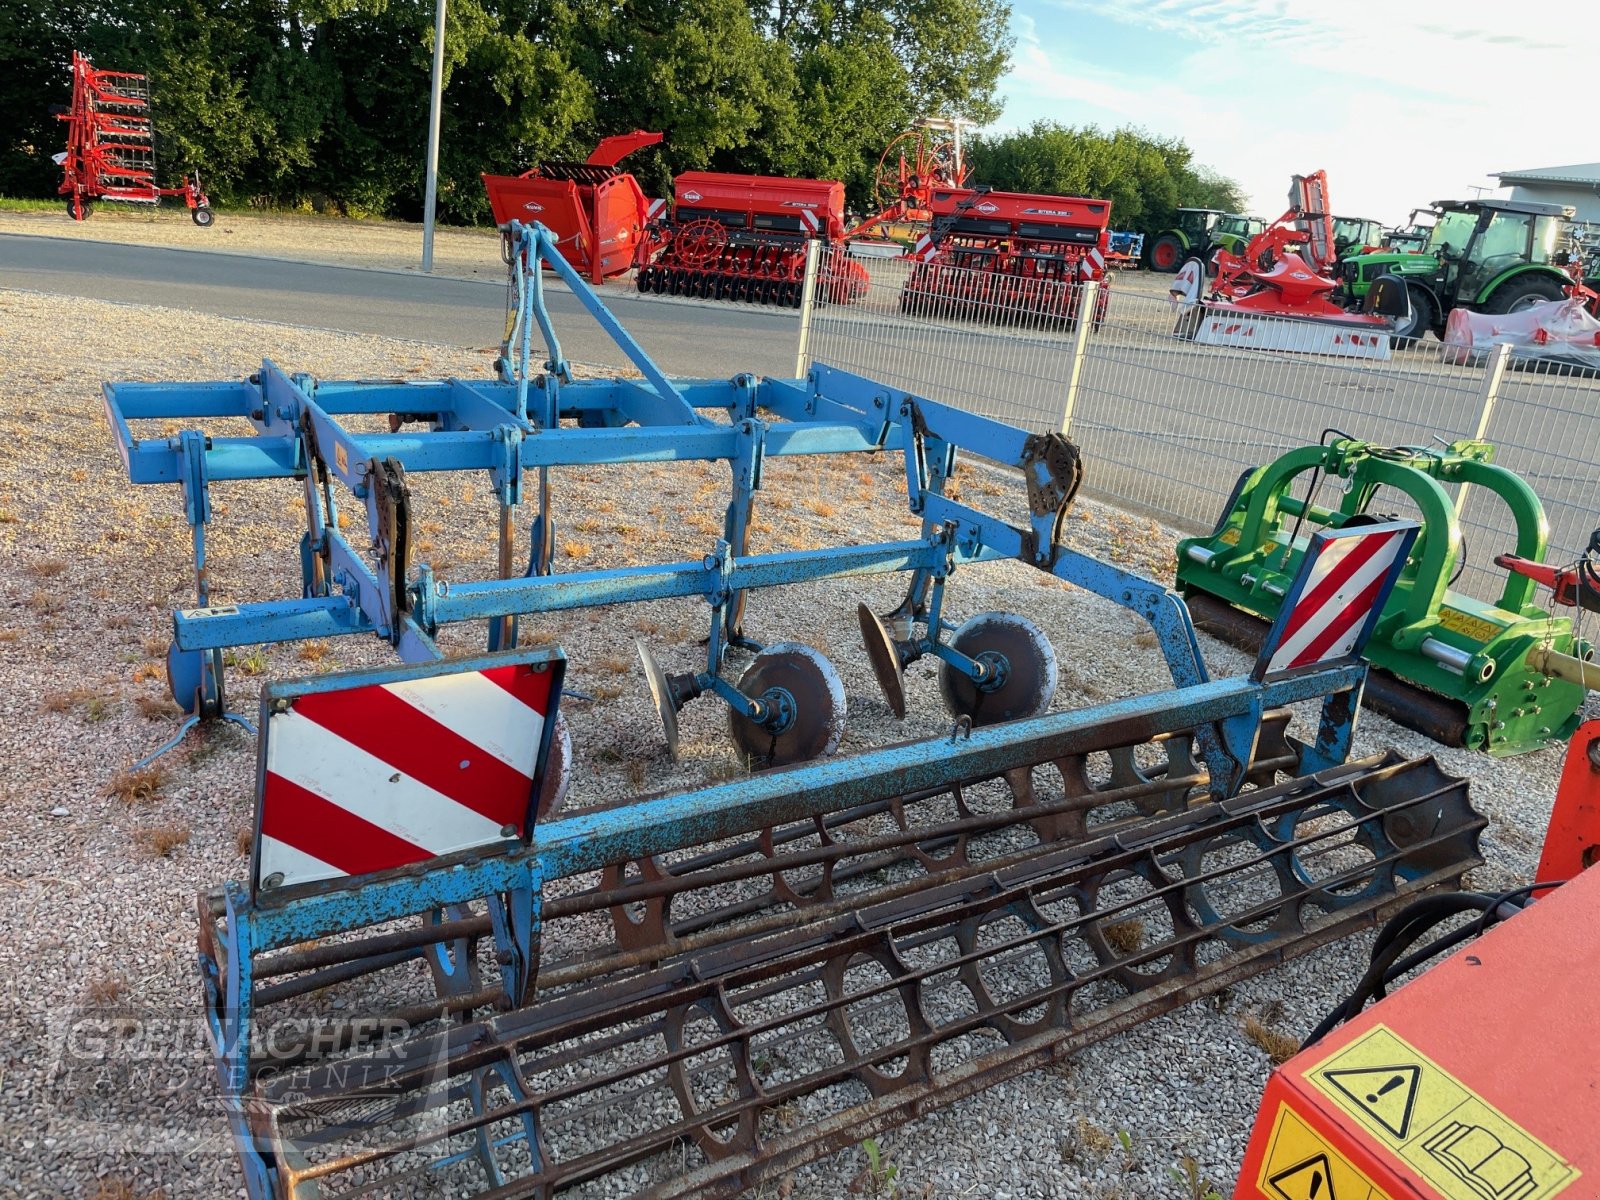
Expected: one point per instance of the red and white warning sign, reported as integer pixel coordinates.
(385, 774)
(1344, 580)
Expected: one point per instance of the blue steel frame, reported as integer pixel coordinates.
(513, 426)
(512, 876)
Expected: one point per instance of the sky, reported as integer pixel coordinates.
(1401, 103)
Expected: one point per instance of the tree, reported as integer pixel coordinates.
(1145, 177)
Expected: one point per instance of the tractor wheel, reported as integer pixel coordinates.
(202, 216)
(1422, 317)
(1523, 292)
(1166, 254)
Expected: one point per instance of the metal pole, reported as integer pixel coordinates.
(1087, 295)
(1494, 374)
(808, 300)
(431, 193)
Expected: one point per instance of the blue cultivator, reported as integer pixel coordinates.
(796, 960)
(522, 426)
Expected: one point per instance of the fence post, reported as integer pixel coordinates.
(1494, 373)
(1080, 345)
(808, 298)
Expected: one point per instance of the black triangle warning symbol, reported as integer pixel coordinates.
(1309, 1180)
(1386, 1094)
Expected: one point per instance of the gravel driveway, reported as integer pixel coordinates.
(99, 888)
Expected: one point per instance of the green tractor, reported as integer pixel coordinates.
(1493, 256)
(1196, 234)
(1354, 233)
(1412, 237)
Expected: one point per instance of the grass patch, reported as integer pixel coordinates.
(576, 549)
(243, 840)
(313, 652)
(1280, 1047)
(85, 702)
(160, 841)
(1125, 936)
(46, 568)
(155, 708)
(105, 989)
(137, 787)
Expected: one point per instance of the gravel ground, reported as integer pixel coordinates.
(100, 888)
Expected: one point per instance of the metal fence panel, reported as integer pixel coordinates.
(1168, 424)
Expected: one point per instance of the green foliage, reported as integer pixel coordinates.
(1145, 177)
(880, 1174)
(288, 103)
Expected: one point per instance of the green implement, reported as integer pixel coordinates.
(1460, 670)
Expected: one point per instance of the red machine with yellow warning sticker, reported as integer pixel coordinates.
(1476, 1081)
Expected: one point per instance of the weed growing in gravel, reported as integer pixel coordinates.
(85, 701)
(7, 517)
(121, 1189)
(243, 839)
(606, 691)
(313, 652)
(154, 647)
(1280, 1047)
(155, 708)
(136, 787)
(46, 568)
(10, 635)
(105, 989)
(254, 663)
(1196, 1186)
(637, 772)
(46, 602)
(576, 549)
(161, 840)
(148, 670)
(1125, 936)
(878, 1176)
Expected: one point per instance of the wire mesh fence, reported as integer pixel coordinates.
(1169, 413)
(1000, 355)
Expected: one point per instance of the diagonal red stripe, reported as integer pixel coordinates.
(1325, 588)
(530, 686)
(407, 739)
(1356, 612)
(292, 815)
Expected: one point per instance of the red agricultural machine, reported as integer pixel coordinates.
(745, 237)
(110, 152)
(596, 209)
(1278, 293)
(1008, 256)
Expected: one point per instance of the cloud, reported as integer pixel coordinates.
(1398, 106)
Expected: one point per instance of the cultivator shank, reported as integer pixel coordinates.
(802, 959)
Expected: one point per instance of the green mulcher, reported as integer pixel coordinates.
(1492, 256)
(1450, 666)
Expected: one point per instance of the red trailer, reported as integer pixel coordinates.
(110, 152)
(596, 209)
(745, 237)
(1008, 256)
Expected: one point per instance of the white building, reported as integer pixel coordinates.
(1577, 185)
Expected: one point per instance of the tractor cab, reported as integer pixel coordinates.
(1355, 234)
(1493, 256)
(1196, 233)
(1412, 237)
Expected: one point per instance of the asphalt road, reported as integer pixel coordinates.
(685, 338)
(1167, 425)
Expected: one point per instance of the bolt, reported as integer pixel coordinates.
(503, 957)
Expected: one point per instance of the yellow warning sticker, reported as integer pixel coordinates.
(1467, 625)
(1300, 1165)
(341, 458)
(1440, 1128)
(1230, 536)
